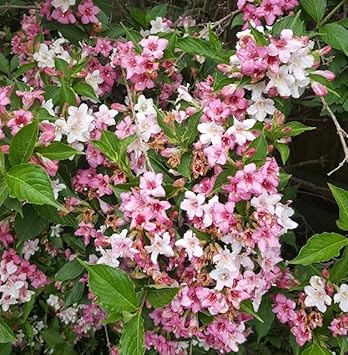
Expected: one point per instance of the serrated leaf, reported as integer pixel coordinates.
(132, 339)
(316, 349)
(284, 151)
(319, 248)
(30, 225)
(340, 269)
(160, 297)
(61, 65)
(315, 8)
(85, 90)
(297, 128)
(66, 95)
(57, 151)
(29, 182)
(191, 128)
(6, 333)
(69, 271)
(23, 143)
(341, 197)
(74, 295)
(336, 36)
(184, 168)
(112, 287)
(261, 148)
(293, 23)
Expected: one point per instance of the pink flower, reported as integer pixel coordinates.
(319, 89)
(284, 309)
(88, 11)
(153, 46)
(151, 184)
(21, 118)
(193, 204)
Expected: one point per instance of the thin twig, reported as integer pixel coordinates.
(19, 7)
(107, 338)
(341, 133)
(215, 24)
(131, 103)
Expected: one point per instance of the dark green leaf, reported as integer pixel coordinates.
(23, 143)
(247, 307)
(315, 8)
(30, 225)
(293, 23)
(132, 340)
(69, 271)
(66, 95)
(336, 36)
(57, 151)
(265, 312)
(160, 297)
(74, 295)
(340, 269)
(85, 90)
(6, 333)
(284, 151)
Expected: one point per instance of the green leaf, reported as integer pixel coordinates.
(222, 179)
(214, 39)
(284, 151)
(115, 149)
(316, 349)
(6, 333)
(132, 339)
(74, 295)
(247, 307)
(261, 148)
(160, 297)
(297, 128)
(198, 46)
(320, 247)
(66, 95)
(340, 269)
(61, 65)
(133, 36)
(86, 90)
(258, 36)
(191, 128)
(29, 182)
(23, 143)
(336, 36)
(265, 312)
(69, 271)
(4, 64)
(23, 69)
(57, 151)
(283, 179)
(27, 308)
(315, 8)
(293, 23)
(3, 189)
(51, 215)
(52, 337)
(30, 225)
(184, 168)
(157, 11)
(341, 197)
(112, 287)
(14, 63)
(237, 21)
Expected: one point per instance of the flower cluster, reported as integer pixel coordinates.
(157, 179)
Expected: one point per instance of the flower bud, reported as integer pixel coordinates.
(319, 89)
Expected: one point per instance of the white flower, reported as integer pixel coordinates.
(107, 258)
(44, 57)
(122, 245)
(193, 204)
(158, 25)
(299, 61)
(48, 105)
(63, 5)
(54, 302)
(281, 80)
(223, 277)
(265, 201)
(57, 187)
(106, 115)
(261, 108)
(79, 124)
(94, 79)
(284, 213)
(147, 125)
(256, 89)
(210, 133)
(191, 244)
(240, 131)
(160, 245)
(30, 247)
(144, 105)
(317, 297)
(56, 230)
(341, 297)
(183, 94)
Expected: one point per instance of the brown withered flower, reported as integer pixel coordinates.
(200, 164)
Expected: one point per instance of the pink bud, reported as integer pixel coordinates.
(325, 50)
(327, 74)
(224, 68)
(319, 89)
(228, 90)
(119, 107)
(5, 148)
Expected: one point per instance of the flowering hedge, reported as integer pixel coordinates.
(142, 189)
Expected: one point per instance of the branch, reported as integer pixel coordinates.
(343, 135)
(19, 7)
(131, 104)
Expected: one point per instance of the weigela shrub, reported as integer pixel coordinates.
(150, 156)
